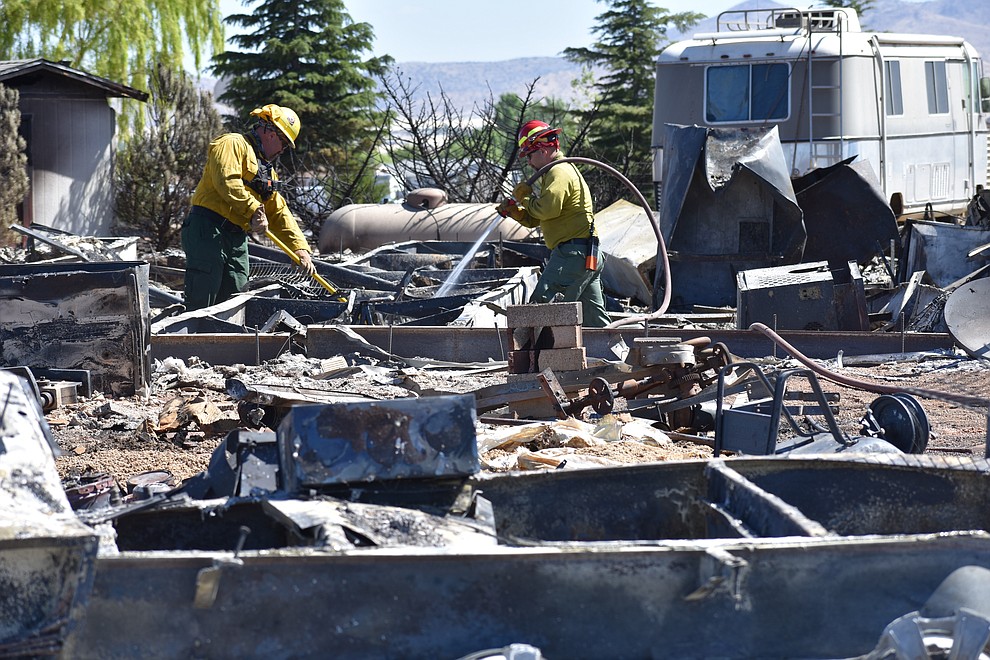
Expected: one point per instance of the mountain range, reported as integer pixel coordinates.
(468, 84)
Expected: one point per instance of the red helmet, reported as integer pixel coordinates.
(535, 135)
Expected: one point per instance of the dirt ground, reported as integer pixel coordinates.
(125, 437)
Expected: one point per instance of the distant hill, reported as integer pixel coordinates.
(468, 83)
(956, 18)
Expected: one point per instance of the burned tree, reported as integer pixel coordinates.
(471, 155)
(314, 185)
(435, 144)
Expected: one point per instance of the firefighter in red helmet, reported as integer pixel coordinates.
(561, 207)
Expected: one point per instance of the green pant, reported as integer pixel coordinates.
(216, 258)
(565, 273)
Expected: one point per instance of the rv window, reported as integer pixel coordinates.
(727, 94)
(895, 100)
(769, 92)
(750, 92)
(938, 89)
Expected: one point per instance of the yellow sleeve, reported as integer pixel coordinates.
(226, 164)
(527, 220)
(282, 223)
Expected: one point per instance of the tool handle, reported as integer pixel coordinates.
(295, 258)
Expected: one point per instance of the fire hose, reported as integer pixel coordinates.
(662, 248)
(964, 399)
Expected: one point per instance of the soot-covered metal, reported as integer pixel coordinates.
(360, 442)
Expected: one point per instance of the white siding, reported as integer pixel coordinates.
(70, 145)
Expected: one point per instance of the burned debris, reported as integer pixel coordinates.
(410, 433)
(668, 367)
(678, 545)
(330, 460)
(397, 455)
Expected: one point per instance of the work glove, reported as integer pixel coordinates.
(522, 191)
(259, 221)
(508, 208)
(305, 262)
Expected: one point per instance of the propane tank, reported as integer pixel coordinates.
(366, 226)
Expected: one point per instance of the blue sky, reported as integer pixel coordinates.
(484, 31)
(488, 31)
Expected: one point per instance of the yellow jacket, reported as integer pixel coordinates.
(230, 161)
(562, 207)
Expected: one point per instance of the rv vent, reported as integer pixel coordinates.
(790, 19)
(839, 19)
(819, 20)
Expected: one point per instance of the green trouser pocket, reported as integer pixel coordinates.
(566, 274)
(216, 262)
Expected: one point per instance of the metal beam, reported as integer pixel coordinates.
(481, 344)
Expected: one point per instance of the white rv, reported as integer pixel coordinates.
(914, 106)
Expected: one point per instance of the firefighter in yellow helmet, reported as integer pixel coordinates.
(238, 194)
(561, 207)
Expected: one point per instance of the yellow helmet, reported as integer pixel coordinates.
(282, 118)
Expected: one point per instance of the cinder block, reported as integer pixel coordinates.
(566, 336)
(521, 339)
(556, 359)
(543, 314)
(562, 359)
(521, 378)
(551, 336)
(522, 362)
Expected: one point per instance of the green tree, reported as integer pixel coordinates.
(157, 171)
(123, 40)
(13, 161)
(307, 55)
(631, 34)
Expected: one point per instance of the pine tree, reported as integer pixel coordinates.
(307, 55)
(156, 172)
(631, 34)
(13, 161)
